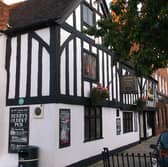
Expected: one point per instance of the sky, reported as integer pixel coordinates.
(12, 1)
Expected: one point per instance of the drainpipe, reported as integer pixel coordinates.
(140, 128)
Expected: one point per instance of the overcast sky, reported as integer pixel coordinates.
(108, 2)
(12, 1)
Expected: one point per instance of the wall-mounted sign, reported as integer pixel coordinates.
(118, 126)
(150, 103)
(21, 101)
(18, 128)
(129, 84)
(64, 121)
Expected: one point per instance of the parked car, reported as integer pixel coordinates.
(160, 153)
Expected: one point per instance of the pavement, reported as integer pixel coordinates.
(143, 147)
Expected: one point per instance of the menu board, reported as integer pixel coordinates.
(18, 128)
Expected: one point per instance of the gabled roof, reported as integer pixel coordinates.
(35, 12)
(40, 13)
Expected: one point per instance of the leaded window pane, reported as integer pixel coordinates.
(89, 66)
(93, 125)
(88, 16)
(127, 122)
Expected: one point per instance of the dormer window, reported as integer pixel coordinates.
(88, 16)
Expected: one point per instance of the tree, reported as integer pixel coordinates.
(138, 36)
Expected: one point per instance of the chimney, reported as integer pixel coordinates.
(4, 15)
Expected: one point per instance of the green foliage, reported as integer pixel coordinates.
(147, 27)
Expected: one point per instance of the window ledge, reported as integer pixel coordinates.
(90, 140)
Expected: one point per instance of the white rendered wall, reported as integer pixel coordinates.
(44, 35)
(48, 139)
(3, 92)
(44, 133)
(4, 156)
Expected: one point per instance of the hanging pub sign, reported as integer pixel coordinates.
(64, 126)
(129, 84)
(150, 91)
(18, 128)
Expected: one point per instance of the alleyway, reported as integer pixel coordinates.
(143, 147)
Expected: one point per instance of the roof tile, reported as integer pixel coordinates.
(36, 11)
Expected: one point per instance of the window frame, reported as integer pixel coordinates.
(86, 23)
(127, 122)
(87, 77)
(91, 114)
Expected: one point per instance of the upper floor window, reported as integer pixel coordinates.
(88, 15)
(89, 66)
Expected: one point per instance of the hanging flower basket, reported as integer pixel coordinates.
(141, 102)
(98, 94)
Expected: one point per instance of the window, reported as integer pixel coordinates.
(127, 122)
(93, 123)
(88, 16)
(89, 66)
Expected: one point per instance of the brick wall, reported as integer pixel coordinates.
(4, 16)
(161, 75)
(161, 117)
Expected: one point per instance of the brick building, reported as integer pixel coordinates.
(161, 117)
(4, 15)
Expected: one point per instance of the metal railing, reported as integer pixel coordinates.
(129, 160)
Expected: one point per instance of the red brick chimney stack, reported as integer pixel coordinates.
(4, 15)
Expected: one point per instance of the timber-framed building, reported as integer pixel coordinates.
(51, 67)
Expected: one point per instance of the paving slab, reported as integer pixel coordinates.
(143, 147)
